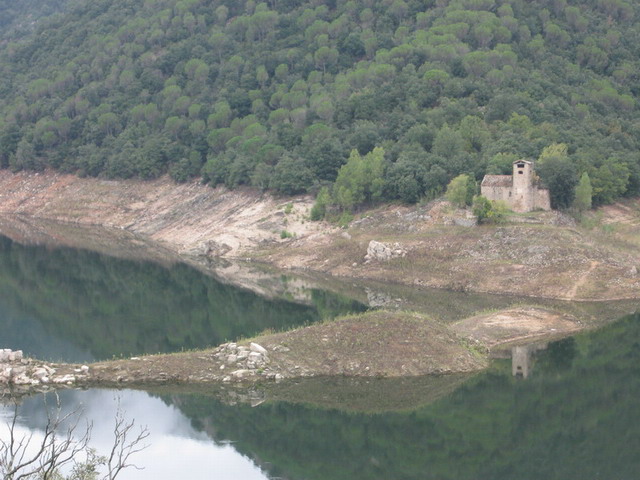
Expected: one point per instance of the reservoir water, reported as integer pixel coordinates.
(576, 415)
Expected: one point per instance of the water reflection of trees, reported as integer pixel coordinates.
(111, 306)
(576, 414)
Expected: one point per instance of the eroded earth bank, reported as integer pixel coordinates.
(543, 254)
(538, 255)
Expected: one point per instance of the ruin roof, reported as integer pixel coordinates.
(497, 181)
(523, 161)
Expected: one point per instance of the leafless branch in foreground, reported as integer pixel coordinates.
(63, 443)
(124, 444)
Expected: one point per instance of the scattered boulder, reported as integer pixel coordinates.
(67, 379)
(17, 372)
(382, 252)
(248, 361)
(257, 348)
(9, 356)
(209, 248)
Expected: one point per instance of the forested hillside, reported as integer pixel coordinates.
(279, 94)
(18, 18)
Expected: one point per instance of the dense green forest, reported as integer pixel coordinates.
(20, 18)
(374, 100)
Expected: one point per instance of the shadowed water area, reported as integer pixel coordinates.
(575, 415)
(78, 305)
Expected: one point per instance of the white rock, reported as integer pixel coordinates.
(64, 379)
(242, 354)
(40, 372)
(255, 356)
(240, 373)
(16, 356)
(83, 370)
(380, 251)
(257, 348)
(232, 359)
(24, 380)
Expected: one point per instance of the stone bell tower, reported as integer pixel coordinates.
(523, 194)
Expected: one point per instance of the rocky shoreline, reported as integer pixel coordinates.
(20, 375)
(375, 344)
(423, 247)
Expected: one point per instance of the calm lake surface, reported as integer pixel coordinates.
(575, 416)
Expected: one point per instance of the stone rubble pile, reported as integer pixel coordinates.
(17, 371)
(383, 252)
(244, 361)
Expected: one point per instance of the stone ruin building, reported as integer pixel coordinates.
(519, 191)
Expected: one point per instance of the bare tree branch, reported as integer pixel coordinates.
(62, 443)
(123, 448)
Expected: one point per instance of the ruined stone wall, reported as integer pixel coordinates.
(496, 193)
(542, 199)
(519, 200)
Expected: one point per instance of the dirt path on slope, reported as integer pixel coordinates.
(571, 295)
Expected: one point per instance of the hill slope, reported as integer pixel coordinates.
(276, 94)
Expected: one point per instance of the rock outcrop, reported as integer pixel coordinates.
(244, 361)
(382, 252)
(19, 373)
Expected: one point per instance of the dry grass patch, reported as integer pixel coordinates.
(378, 343)
(507, 326)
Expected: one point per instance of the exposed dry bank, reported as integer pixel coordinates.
(379, 344)
(374, 344)
(541, 254)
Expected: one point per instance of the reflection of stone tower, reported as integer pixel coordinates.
(523, 197)
(521, 360)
